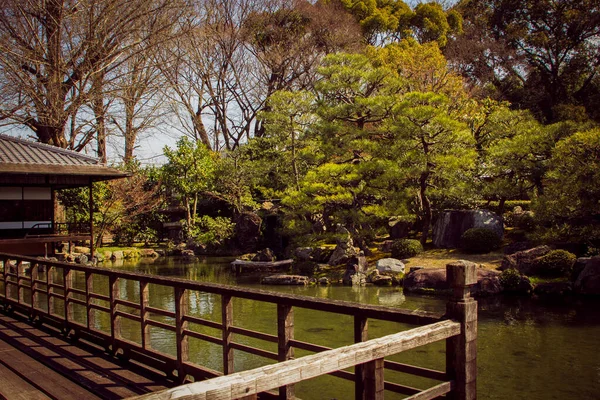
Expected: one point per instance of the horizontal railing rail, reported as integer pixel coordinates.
(44, 291)
(371, 353)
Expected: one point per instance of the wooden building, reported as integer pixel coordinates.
(30, 175)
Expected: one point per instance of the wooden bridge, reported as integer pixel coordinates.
(62, 297)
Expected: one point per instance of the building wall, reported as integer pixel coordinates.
(21, 208)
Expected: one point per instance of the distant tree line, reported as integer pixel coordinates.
(346, 111)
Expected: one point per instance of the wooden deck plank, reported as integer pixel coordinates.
(23, 377)
(91, 373)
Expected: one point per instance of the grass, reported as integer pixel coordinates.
(438, 258)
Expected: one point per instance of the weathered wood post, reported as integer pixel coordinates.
(461, 350)
(227, 322)
(115, 319)
(285, 351)
(181, 324)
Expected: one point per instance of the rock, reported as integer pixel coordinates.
(426, 279)
(81, 259)
(282, 279)
(81, 249)
(382, 280)
(354, 277)
(588, 281)
(553, 288)
(386, 247)
(344, 248)
(161, 252)
(451, 224)
(188, 254)
(130, 254)
(149, 253)
(117, 255)
(344, 253)
(324, 281)
(578, 267)
(107, 255)
(390, 265)
(304, 253)
(488, 282)
(517, 246)
(399, 228)
(247, 231)
(264, 255)
(524, 261)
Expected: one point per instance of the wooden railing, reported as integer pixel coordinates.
(59, 228)
(44, 291)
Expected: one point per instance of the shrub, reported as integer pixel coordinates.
(213, 231)
(510, 279)
(556, 263)
(479, 240)
(406, 248)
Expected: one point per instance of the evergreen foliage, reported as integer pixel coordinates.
(406, 248)
(479, 240)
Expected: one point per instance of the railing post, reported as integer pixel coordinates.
(461, 350)
(115, 319)
(285, 333)
(18, 281)
(68, 283)
(89, 290)
(227, 321)
(34, 287)
(49, 290)
(144, 314)
(361, 334)
(181, 310)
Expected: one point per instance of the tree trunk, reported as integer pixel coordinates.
(188, 215)
(426, 206)
(99, 115)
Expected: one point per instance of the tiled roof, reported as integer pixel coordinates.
(20, 156)
(20, 151)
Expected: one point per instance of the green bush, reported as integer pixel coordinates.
(406, 248)
(510, 279)
(557, 263)
(479, 240)
(212, 231)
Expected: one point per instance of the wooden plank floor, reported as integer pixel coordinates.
(36, 363)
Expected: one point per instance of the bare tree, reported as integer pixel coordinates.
(59, 54)
(239, 52)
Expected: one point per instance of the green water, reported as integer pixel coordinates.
(527, 348)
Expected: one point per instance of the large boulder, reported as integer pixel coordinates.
(247, 231)
(588, 281)
(390, 265)
(451, 224)
(427, 279)
(524, 261)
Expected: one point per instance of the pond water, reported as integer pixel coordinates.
(527, 348)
